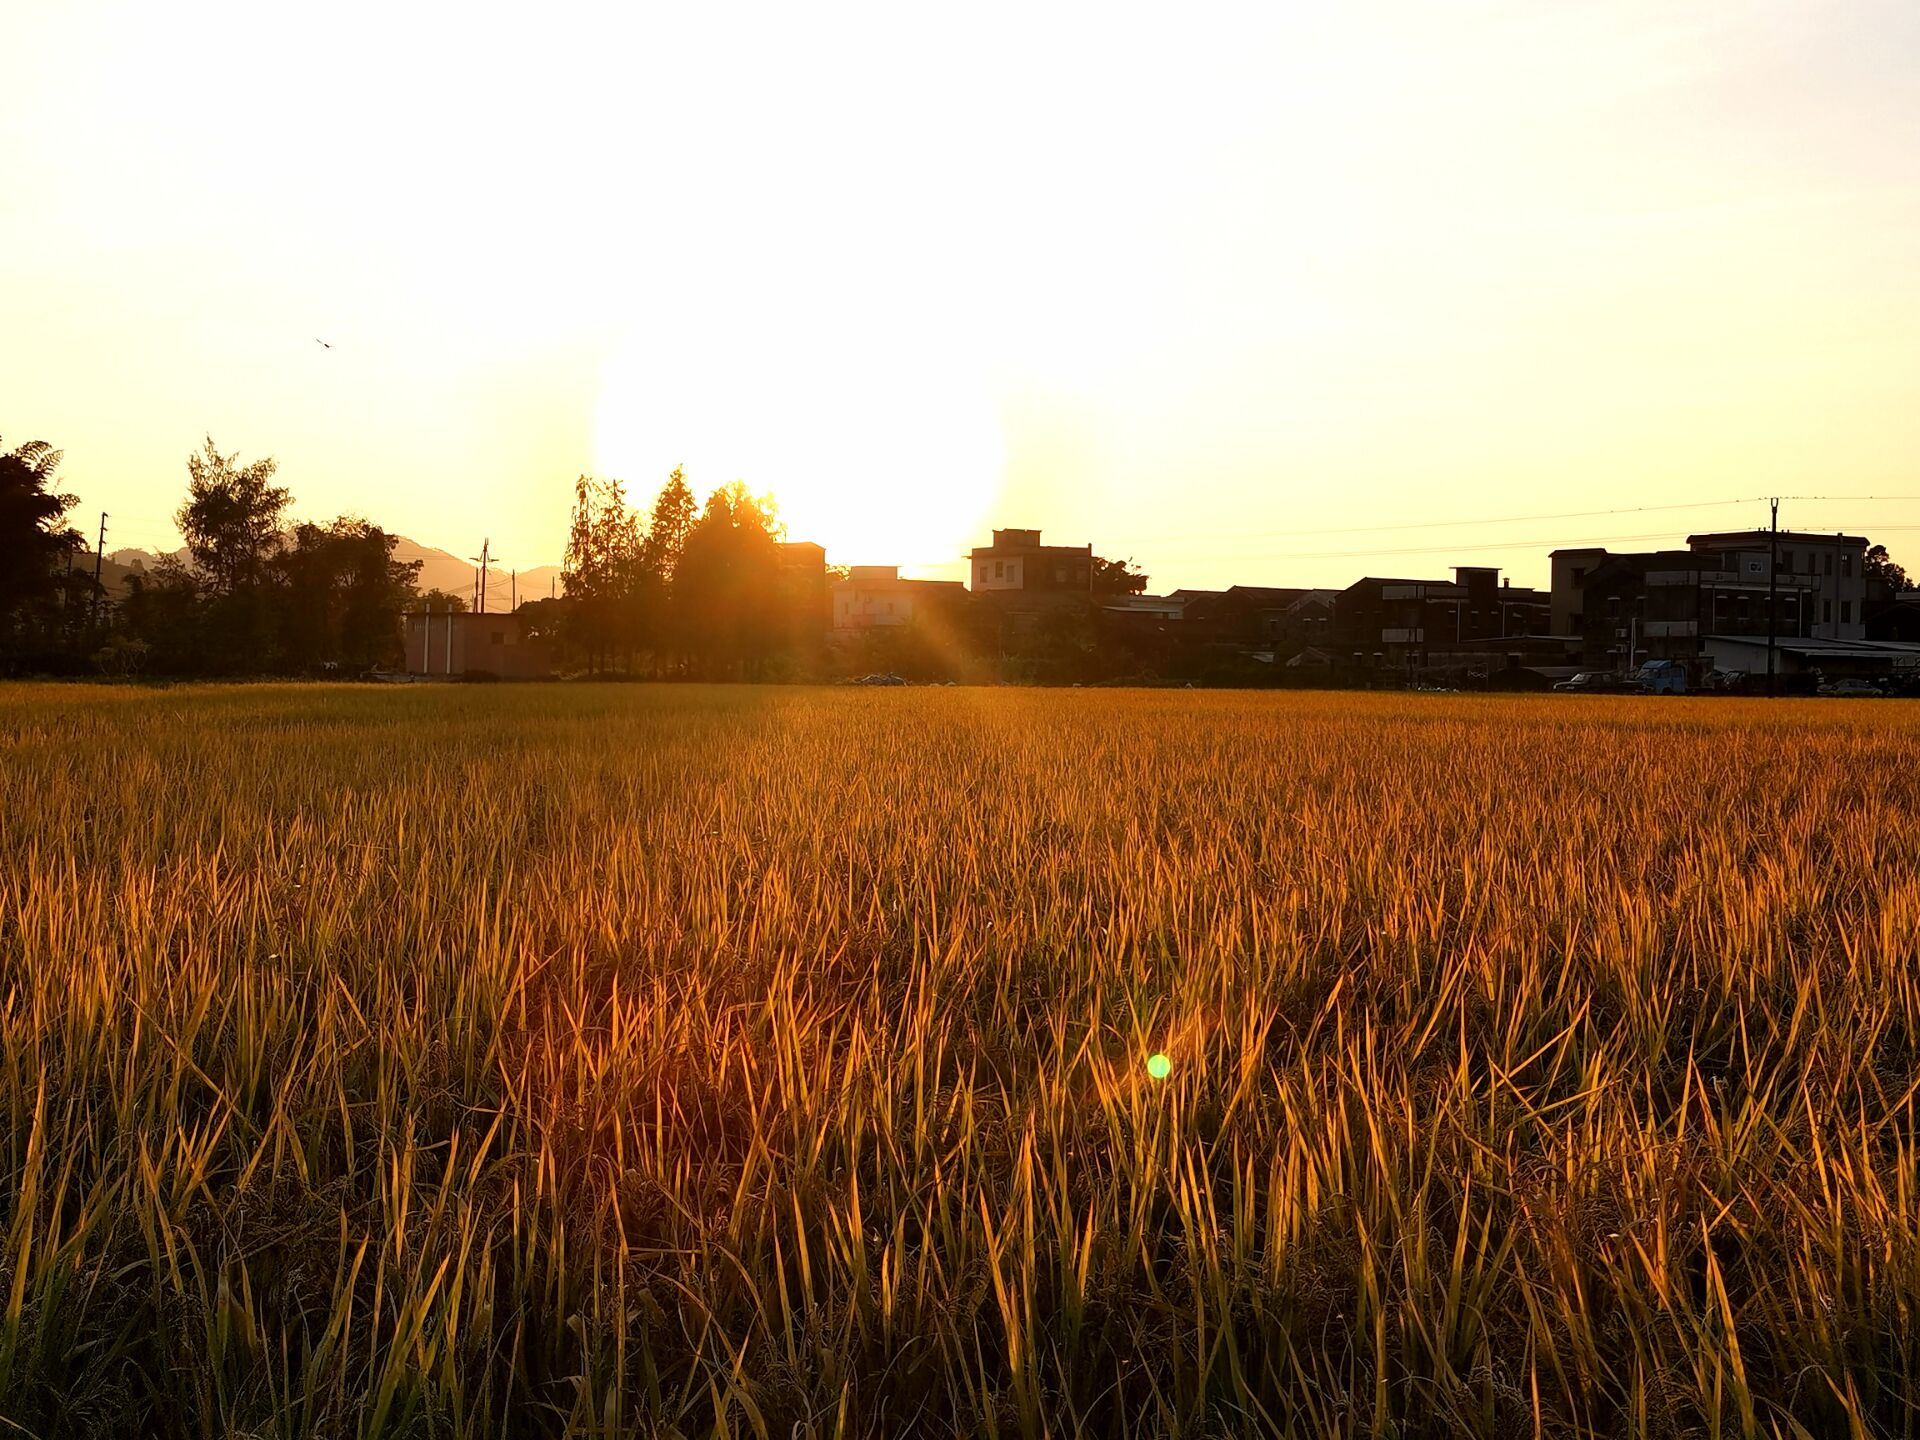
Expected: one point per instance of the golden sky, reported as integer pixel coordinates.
(1210, 286)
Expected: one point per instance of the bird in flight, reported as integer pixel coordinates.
(323, 344)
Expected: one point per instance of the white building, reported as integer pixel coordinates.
(875, 595)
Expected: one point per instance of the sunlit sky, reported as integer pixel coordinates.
(1208, 286)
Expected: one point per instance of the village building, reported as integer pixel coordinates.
(875, 596)
(1017, 566)
(451, 644)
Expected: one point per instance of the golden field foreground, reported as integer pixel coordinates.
(652, 1060)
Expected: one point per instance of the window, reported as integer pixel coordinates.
(1826, 609)
(1829, 562)
(1579, 573)
(1786, 561)
(1846, 612)
(1059, 574)
(999, 569)
(983, 570)
(1846, 563)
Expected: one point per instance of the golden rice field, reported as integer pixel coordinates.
(772, 1062)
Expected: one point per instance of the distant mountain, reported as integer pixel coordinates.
(439, 570)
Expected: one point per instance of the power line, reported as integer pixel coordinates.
(1454, 546)
(1501, 544)
(1518, 519)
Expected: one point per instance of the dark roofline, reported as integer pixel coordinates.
(1763, 536)
(896, 582)
(978, 550)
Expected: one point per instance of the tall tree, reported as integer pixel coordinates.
(728, 595)
(603, 557)
(35, 546)
(232, 518)
(674, 512)
(233, 525)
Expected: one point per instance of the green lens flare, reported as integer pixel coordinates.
(1159, 1066)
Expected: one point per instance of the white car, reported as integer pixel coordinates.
(1851, 689)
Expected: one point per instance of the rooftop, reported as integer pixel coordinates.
(1762, 537)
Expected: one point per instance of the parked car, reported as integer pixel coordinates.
(1601, 682)
(887, 679)
(1850, 688)
(1662, 677)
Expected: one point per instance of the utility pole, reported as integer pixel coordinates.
(480, 577)
(99, 553)
(1773, 589)
(513, 591)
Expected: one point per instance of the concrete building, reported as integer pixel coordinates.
(803, 575)
(1663, 604)
(1395, 624)
(1016, 564)
(875, 595)
(450, 644)
(1894, 615)
(1267, 619)
(1828, 570)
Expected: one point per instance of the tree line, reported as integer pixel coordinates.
(688, 588)
(709, 591)
(680, 589)
(254, 594)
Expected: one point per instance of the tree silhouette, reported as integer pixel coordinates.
(232, 518)
(1881, 567)
(35, 548)
(604, 569)
(1117, 577)
(232, 521)
(729, 598)
(341, 596)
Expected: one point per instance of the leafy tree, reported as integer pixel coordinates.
(232, 518)
(341, 596)
(36, 549)
(729, 598)
(1117, 577)
(439, 602)
(604, 568)
(674, 513)
(1881, 567)
(166, 609)
(232, 522)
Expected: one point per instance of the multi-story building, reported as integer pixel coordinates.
(1257, 618)
(1829, 571)
(1016, 564)
(1669, 604)
(1387, 623)
(875, 595)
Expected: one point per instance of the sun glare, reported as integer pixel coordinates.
(883, 450)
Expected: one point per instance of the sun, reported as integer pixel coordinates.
(883, 447)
